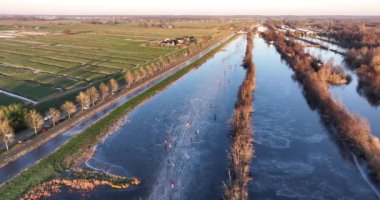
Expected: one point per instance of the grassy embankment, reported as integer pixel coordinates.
(55, 163)
(353, 130)
(242, 148)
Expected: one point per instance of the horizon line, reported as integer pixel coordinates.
(201, 15)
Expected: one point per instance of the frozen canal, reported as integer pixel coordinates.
(177, 141)
(194, 162)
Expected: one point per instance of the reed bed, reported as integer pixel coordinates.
(242, 152)
(352, 129)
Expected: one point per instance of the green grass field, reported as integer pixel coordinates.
(43, 63)
(7, 100)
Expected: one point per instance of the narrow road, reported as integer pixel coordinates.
(24, 162)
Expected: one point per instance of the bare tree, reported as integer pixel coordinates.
(83, 99)
(104, 90)
(154, 68)
(34, 120)
(114, 86)
(376, 60)
(150, 71)
(6, 132)
(3, 114)
(128, 77)
(137, 76)
(92, 94)
(142, 73)
(54, 114)
(69, 108)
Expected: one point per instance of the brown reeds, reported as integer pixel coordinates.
(242, 151)
(81, 180)
(353, 130)
(369, 84)
(333, 75)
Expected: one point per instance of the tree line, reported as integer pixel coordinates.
(241, 151)
(363, 54)
(353, 34)
(15, 117)
(295, 54)
(366, 61)
(352, 130)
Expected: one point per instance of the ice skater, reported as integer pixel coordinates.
(168, 144)
(170, 164)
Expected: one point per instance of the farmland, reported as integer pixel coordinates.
(6, 100)
(39, 61)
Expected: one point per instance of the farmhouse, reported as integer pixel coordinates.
(182, 41)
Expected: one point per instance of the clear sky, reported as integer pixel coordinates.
(191, 7)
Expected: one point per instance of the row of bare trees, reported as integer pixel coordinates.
(353, 34)
(91, 96)
(241, 152)
(35, 121)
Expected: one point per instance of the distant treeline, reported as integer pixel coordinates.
(353, 34)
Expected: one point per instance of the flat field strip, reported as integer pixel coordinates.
(7, 100)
